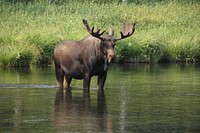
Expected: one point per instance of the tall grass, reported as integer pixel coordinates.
(167, 31)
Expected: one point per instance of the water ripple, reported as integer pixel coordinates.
(26, 86)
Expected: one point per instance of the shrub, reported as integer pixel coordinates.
(46, 54)
(21, 59)
(18, 55)
(150, 53)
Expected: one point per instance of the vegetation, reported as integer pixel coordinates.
(167, 31)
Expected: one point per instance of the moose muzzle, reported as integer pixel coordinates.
(110, 55)
(109, 58)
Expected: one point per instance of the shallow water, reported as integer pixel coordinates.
(137, 98)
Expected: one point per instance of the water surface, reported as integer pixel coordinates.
(137, 98)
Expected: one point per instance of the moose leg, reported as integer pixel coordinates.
(86, 83)
(101, 81)
(59, 77)
(67, 82)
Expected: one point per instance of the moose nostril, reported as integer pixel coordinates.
(110, 58)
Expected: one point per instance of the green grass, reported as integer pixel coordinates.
(166, 31)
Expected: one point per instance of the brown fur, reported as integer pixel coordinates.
(85, 58)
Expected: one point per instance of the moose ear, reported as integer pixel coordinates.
(111, 32)
(127, 28)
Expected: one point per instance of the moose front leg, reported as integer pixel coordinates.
(86, 83)
(101, 81)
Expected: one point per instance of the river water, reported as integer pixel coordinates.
(139, 98)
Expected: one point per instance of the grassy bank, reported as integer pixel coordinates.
(166, 31)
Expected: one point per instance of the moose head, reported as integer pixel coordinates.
(108, 41)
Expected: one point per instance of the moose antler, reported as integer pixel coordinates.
(126, 31)
(96, 34)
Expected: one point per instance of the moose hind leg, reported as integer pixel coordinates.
(67, 82)
(59, 77)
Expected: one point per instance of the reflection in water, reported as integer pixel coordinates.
(17, 112)
(122, 121)
(80, 114)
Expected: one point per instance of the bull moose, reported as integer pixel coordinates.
(87, 57)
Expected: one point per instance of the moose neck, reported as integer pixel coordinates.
(98, 49)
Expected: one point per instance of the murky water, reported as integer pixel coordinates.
(138, 98)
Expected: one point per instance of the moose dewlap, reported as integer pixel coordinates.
(87, 57)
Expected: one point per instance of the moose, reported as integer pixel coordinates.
(88, 57)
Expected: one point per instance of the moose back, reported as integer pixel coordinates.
(87, 57)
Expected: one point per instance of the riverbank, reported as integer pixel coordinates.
(165, 32)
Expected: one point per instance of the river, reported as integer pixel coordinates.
(139, 98)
